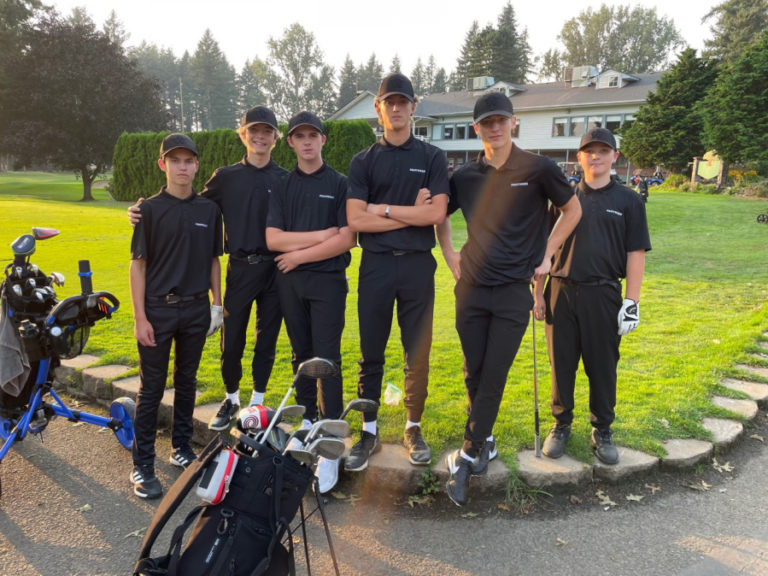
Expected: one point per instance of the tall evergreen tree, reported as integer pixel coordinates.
(347, 83)
(668, 128)
(214, 83)
(734, 110)
(369, 76)
(395, 66)
(440, 85)
(418, 79)
(162, 66)
(251, 85)
(115, 30)
(510, 59)
(738, 24)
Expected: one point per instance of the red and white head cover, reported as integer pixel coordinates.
(254, 417)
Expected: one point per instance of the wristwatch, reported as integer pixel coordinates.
(386, 211)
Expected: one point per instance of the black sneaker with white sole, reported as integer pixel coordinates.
(145, 483)
(183, 456)
(357, 460)
(554, 443)
(488, 453)
(459, 471)
(227, 412)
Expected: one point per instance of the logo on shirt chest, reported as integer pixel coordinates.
(419, 170)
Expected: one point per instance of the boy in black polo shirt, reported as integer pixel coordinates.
(585, 314)
(242, 193)
(307, 223)
(175, 253)
(503, 196)
(398, 191)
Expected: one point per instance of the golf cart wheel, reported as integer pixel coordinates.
(762, 217)
(123, 409)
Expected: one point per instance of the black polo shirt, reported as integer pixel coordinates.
(387, 174)
(309, 202)
(506, 214)
(613, 223)
(242, 193)
(179, 240)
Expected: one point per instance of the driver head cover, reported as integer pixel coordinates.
(254, 417)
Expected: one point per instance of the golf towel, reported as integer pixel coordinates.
(14, 365)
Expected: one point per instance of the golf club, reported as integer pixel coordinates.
(535, 389)
(359, 405)
(312, 368)
(327, 447)
(301, 456)
(321, 428)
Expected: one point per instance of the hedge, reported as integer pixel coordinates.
(134, 164)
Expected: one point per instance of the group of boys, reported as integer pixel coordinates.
(288, 236)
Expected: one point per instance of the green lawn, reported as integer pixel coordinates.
(703, 307)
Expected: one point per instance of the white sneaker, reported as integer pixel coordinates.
(327, 473)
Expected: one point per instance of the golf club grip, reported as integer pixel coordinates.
(86, 285)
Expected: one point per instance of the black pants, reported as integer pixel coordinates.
(313, 305)
(408, 280)
(184, 325)
(491, 322)
(582, 323)
(246, 284)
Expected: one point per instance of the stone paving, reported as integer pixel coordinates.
(390, 464)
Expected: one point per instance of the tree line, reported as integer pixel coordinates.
(68, 88)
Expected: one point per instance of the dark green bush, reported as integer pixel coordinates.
(135, 172)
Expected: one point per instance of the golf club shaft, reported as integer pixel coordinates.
(535, 390)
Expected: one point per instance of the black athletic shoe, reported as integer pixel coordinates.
(418, 450)
(227, 412)
(459, 471)
(145, 483)
(361, 452)
(554, 443)
(488, 453)
(602, 444)
(183, 456)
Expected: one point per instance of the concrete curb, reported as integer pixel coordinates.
(390, 470)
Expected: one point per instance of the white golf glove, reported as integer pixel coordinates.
(217, 317)
(629, 316)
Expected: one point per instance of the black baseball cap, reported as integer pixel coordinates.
(396, 83)
(492, 104)
(259, 115)
(601, 135)
(173, 141)
(305, 119)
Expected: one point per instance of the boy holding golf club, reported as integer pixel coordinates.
(503, 196)
(175, 253)
(307, 225)
(583, 306)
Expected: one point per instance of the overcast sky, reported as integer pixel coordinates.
(410, 29)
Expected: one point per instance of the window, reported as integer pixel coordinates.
(516, 129)
(558, 126)
(577, 126)
(472, 133)
(461, 132)
(420, 132)
(613, 122)
(629, 119)
(448, 132)
(594, 122)
(613, 81)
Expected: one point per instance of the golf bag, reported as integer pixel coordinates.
(241, 535)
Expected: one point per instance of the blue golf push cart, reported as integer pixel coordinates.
(36, 332)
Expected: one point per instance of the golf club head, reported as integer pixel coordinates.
(304, 457)
(323, 428)
(360, 405)
(317, 368)
(57, 278)
(327, 447)
(290, 411)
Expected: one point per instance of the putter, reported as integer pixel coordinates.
(327, 447)
(359, 405)
(312, 368)
(535, 390)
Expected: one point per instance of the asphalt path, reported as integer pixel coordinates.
(67, 509)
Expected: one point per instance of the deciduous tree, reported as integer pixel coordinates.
(738, 23)
(70, 94)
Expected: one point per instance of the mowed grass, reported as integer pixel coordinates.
(703, 307)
